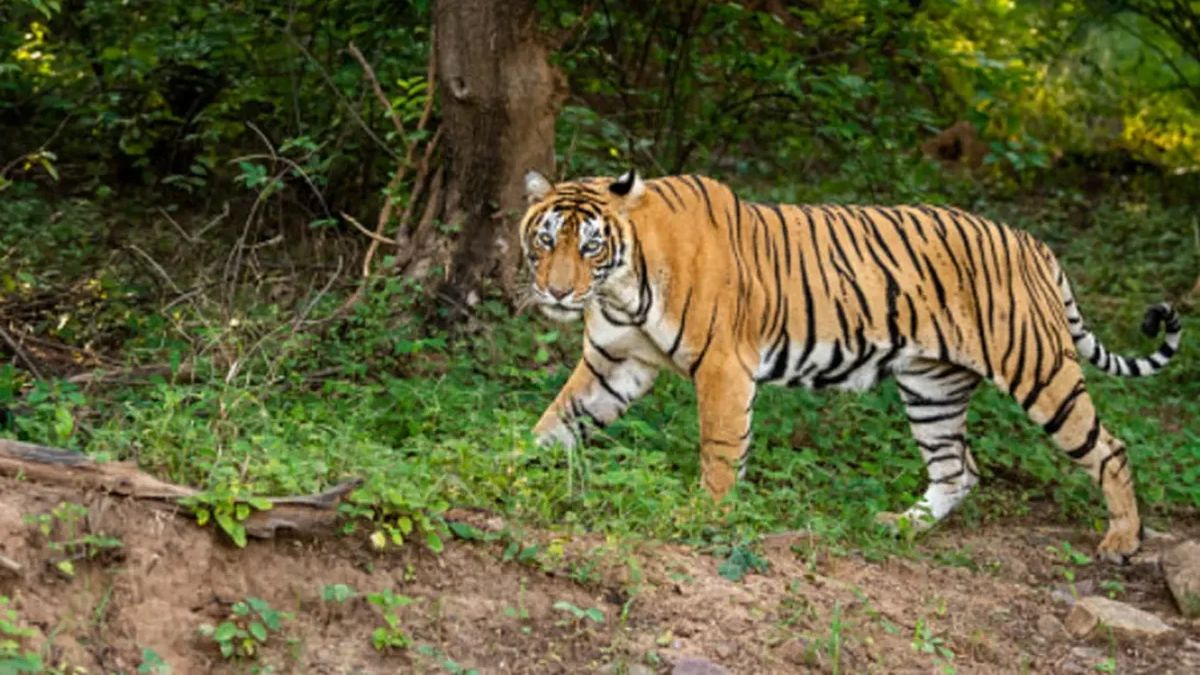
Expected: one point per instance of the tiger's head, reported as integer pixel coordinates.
(574, 236)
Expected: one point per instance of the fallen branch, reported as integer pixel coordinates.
(20, 353)
(302, 514)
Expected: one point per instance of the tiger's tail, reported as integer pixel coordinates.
(1090, 348)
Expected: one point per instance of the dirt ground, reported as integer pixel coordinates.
(985, 601)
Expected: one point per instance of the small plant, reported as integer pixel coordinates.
(925, 642)
(1067, 554)
(247, 629)
(14, 658)
(63, 530)
(833, 643)
(228, 502)
(1112, 588)
(520, 613)
(594, 614)
(153, 664)
(742, 561)
(448, 664)
(391, 635)
(338, 593)
(1108, 665)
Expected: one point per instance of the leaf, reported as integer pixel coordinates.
(564, 606)
(225, 632)
(238, 535)
(66, 567)
(434, 542)
(225, 520)
(510, 551)
(405, 524)
(378, 539)
(464, 531)
(259, 631)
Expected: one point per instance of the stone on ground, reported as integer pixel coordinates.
(1090, 615)
(695, 665)
(1181, 567)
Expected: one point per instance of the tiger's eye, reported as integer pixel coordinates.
(592, 248)
(545, 240)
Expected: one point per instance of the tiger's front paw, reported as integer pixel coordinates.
(1121, 542)
(557, 434)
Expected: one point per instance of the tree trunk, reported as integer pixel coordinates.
(499, 97)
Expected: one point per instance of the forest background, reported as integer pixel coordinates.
(252, 245)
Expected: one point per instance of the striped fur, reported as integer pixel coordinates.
(678, 273)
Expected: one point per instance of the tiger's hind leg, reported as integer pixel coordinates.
(936, 396)
(1064, 409)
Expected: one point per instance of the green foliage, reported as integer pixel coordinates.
(338, 593)
(14, 657)
(153, 664)
(228, 502)
(250, 624)
(926, 642)
(593, 614)
(64, 531)
(447, 664)
(742, 561)
(161, 92)
(392, 634)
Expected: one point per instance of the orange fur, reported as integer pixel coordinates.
(681, 274)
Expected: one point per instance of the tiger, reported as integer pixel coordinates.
(678, 273)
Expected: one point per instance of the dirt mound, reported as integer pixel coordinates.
(993, 603)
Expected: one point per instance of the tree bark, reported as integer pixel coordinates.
(499, 98)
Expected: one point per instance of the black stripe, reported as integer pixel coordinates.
(659, 191)
(783, 229)
(601, 351)
(682, 324)
(604, 383)
(949, 478)
(707, 341)
(1119, 452)
(912, 254)
(936, 418)
(707, 202)
(1088, 444)
(1064, 410)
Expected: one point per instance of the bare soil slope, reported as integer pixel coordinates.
(811, 611)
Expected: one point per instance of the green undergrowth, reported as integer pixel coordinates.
(431, 423)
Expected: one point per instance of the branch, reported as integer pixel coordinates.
(302, 514)
(20, 353)
(369, 73)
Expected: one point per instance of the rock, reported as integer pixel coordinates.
(1181, 567)
(1051, 628)
(1092, 614)
(695, 665)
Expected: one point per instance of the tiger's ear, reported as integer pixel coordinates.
(536, 187)
(629, 187)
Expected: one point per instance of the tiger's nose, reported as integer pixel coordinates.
(559, 293)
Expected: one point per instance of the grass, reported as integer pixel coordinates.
(431, 423)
